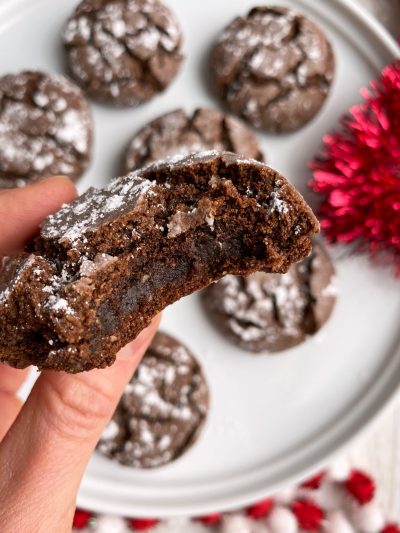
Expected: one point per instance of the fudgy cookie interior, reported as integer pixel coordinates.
(106, 264)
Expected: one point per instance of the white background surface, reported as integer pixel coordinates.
(271, 418)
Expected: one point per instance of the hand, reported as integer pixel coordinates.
(48, 441)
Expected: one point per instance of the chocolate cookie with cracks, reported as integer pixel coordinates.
(106, 264)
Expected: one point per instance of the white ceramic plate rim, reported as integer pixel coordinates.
(311, 455)
(365, 413)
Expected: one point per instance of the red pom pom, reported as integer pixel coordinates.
(314, 482)
(210, 519)
(360, 486)
(81, 519)
(309, 515)
(141, 524)
(260, 509)
(358, 173)
(391, 528)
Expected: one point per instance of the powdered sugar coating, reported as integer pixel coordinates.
(273, 67)
(45, 128)
(275, 311)
(178, 133)
(74, 220)
(122, 51)
(254, 308)
(161, 410)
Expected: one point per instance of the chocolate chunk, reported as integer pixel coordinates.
(123, 52)
(177, 133)
(273, 67)
(162, 409)
(104, 265)
(274, 312)
(45, 128)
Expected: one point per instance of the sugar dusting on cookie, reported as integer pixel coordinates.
(273, 67)
(45, 127)
(74, 220)
(123, 52)
(161, 410)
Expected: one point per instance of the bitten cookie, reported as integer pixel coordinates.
(107, 263)
(162, 409)
(123, 52)
(177, 133)
(274, 312)
(45, 128)
(273, 67)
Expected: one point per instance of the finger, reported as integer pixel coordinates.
(10, 407)
(10, 381)
(22, 210)
(44, 455)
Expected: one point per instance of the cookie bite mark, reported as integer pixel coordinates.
(117, 256)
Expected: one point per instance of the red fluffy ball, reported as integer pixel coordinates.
(81, 519)
(358, 172)
(141, 524)
(361, 486)
(260, 509)
(308, 514)
(391, 528)
(314, 482)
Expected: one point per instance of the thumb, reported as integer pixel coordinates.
(22, 210)
(45, 453)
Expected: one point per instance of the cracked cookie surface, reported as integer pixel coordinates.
(162, 409)
(45, 128)
(106, 264)
(178, 133)
(273, 67)
(123, 52)
(274, 312)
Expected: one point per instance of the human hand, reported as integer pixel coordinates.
(49, 440)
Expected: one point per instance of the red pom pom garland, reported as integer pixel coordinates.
(260, 509)
(311, 508)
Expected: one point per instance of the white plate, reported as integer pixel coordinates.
(272, 419)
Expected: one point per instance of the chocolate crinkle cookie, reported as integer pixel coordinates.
(106, 264)
(123, 52)
(274, 312)
(45, 128)
(273, 67)
(177, 133)
(162, 409)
